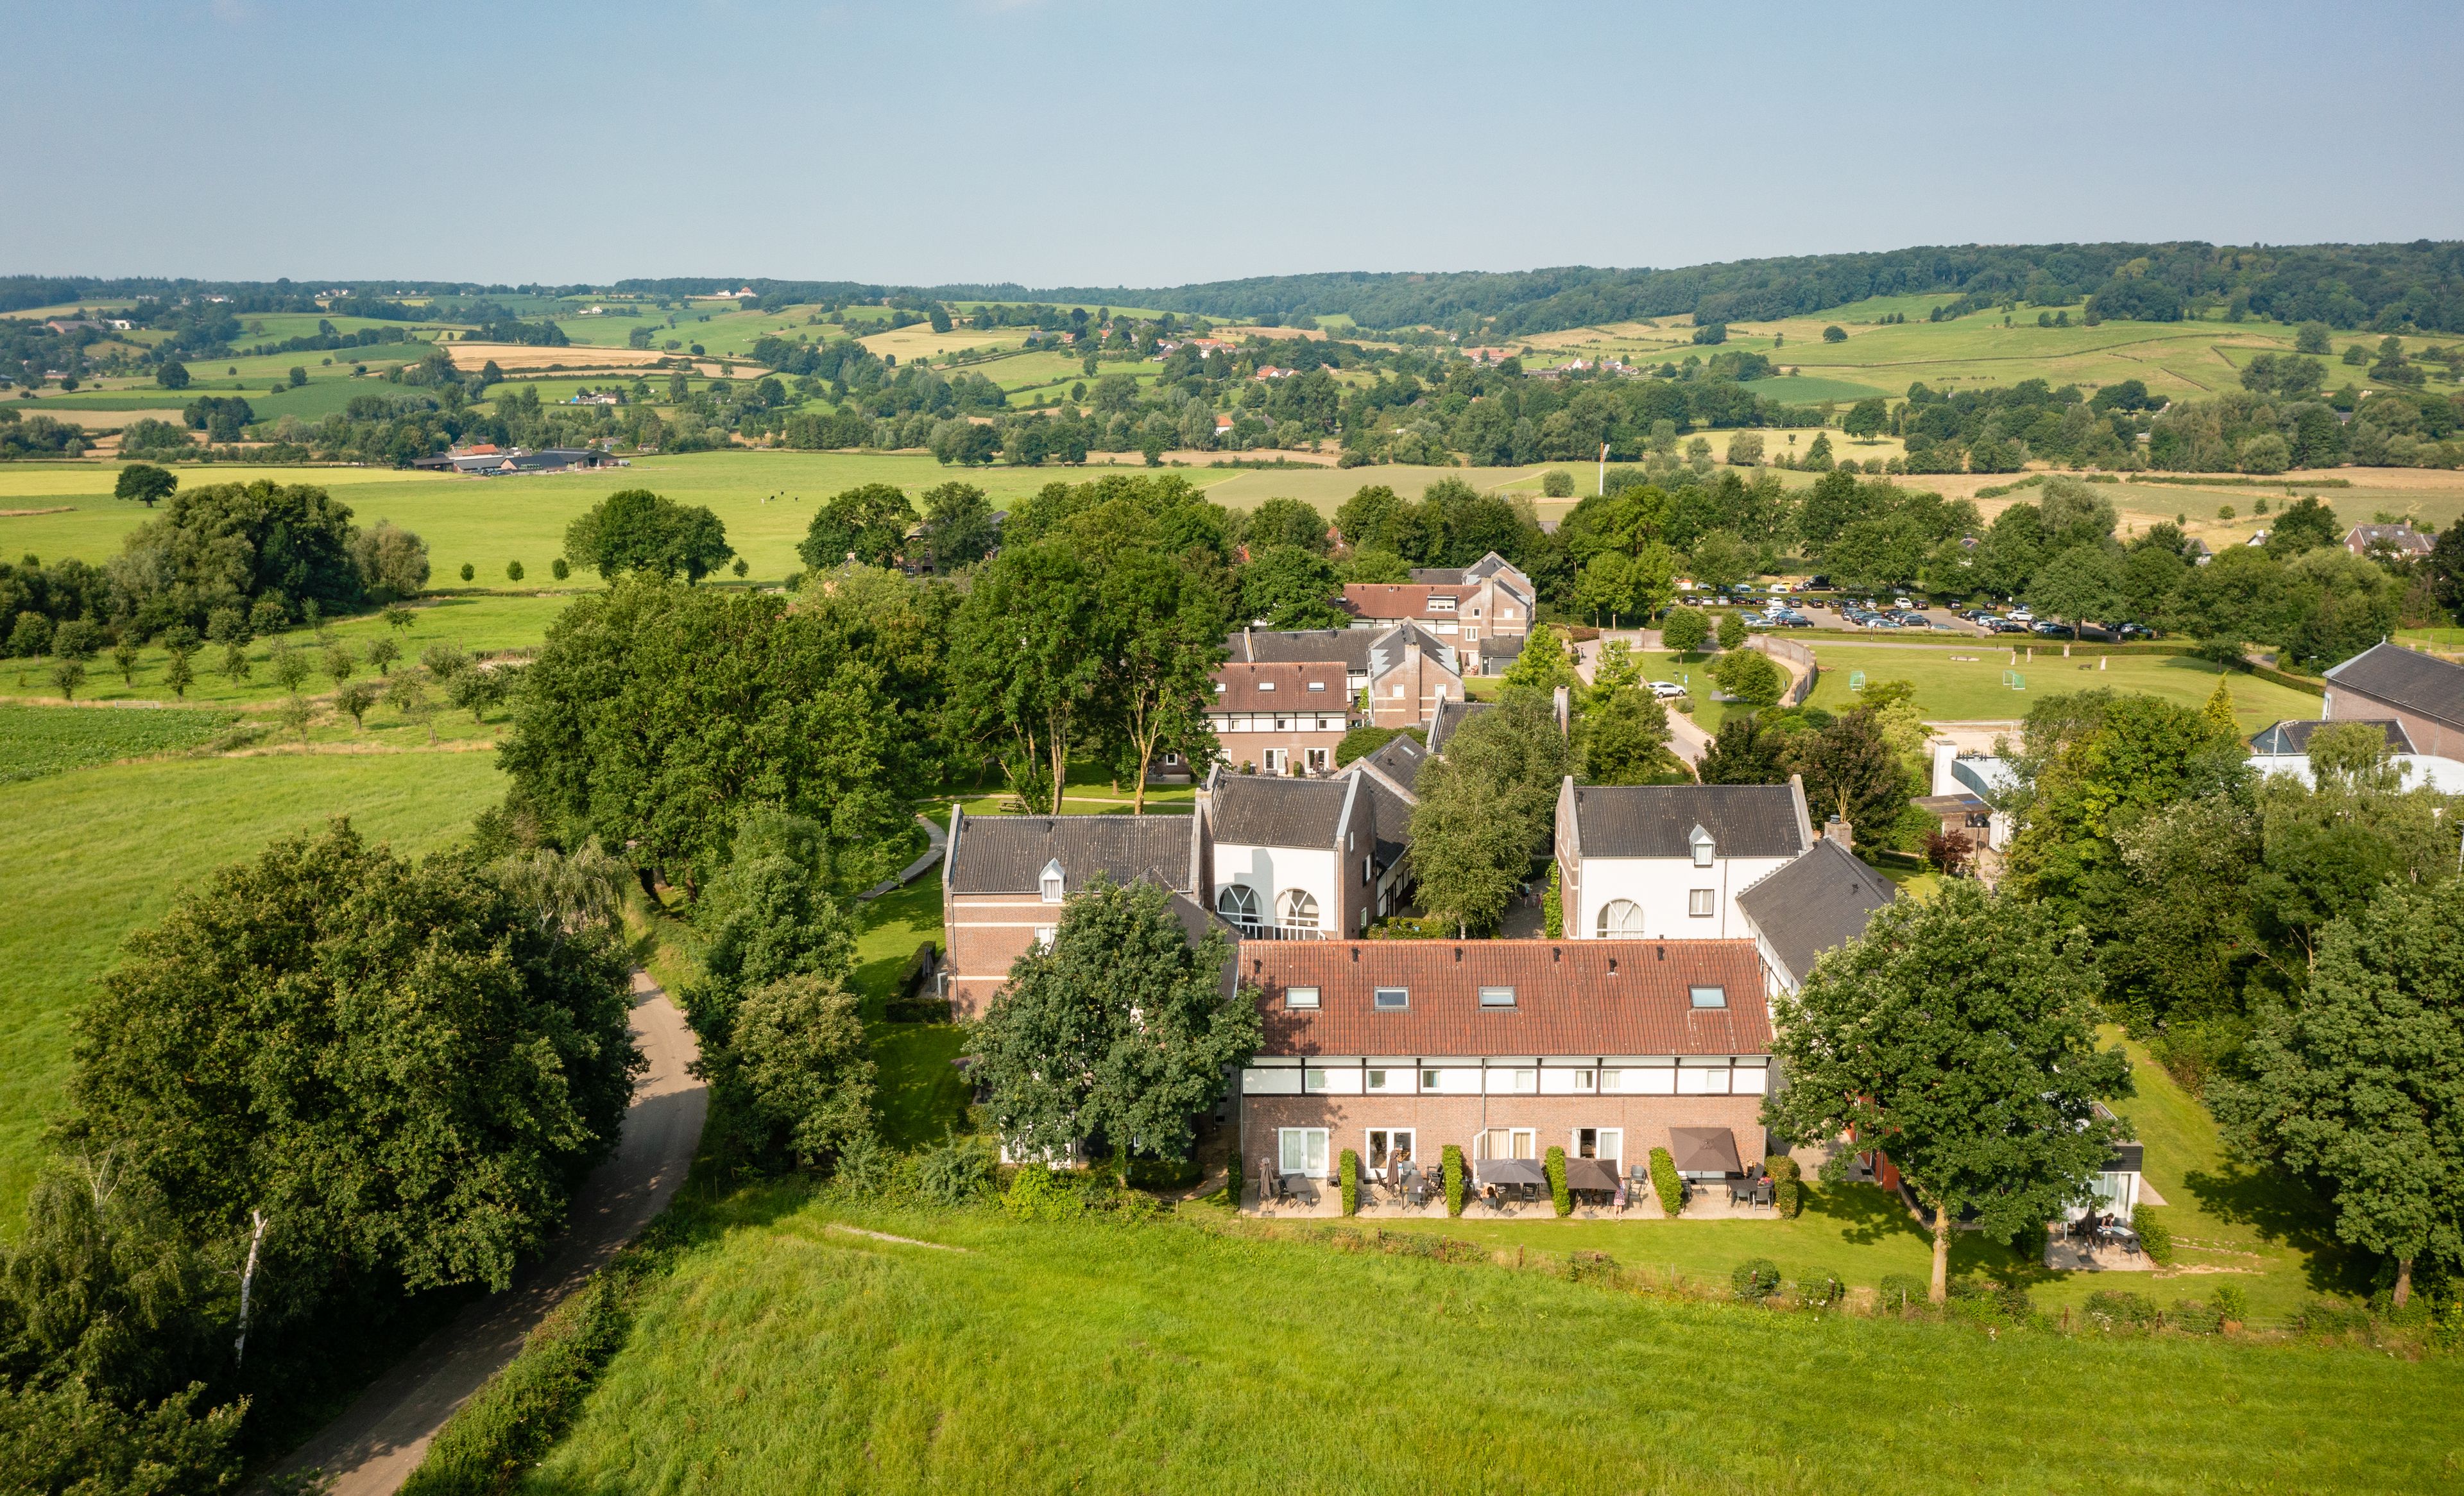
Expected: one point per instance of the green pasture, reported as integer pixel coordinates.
(90, 854)
(1970, 688)
(789, 1350)
(1807, 390)
(37, 741)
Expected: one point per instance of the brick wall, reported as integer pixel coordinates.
(984, 935)
(1439, 1120)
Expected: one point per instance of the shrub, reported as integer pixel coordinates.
(863, 1165)
(1553, 1165)
(953, 1173)
(2155, 1236)
(559, 569)
(1162, 1173)
(2117, 1311)
(2330, 1316)
(1665, 1183)
(2197, 1318)
(1591, 1266)
(1552, 906)
(1821, 1291)
(2233, 1302)
(1786, 1193)
(523, 1409)
(1452, 1163)
(1900, 1292)
(1348, 1164)
(469, 571)
(1978, 1301)
(1036, 1194)
(1756, 1279)
(1557, 483)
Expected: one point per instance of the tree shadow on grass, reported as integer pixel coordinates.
(2283, 1213)
(1867, 1214)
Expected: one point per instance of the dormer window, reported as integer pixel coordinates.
(1050, 881)
(1441, 604)
(1701, 841)
(1266, 685)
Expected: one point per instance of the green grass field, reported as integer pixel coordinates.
(36, 741)
(1809, 389)
(787, 1353)
(88, 855)
(1971, 689)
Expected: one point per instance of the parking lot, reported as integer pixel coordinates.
(1832, 613)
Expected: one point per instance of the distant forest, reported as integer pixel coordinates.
(2377, 287)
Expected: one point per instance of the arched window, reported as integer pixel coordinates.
(1299, 910)
(1622, 919)
(1239, 904)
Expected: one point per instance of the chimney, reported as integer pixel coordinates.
(1838, 830)
(1248, 645)
(1565, 710)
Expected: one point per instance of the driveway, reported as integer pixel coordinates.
(371, 1449)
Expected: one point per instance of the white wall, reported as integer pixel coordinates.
(1661, 885)
(1270, 870)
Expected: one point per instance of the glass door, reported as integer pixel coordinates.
(1303, 1151)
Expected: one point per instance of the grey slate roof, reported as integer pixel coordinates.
(2293, 736)
(1391, 819)
(1258, 810)
(1008, 854)
(1815, 904)
(1449, 716)
(1347, 646)
(2400, 678)
(1400, 761)
(1386, 647)
(1655, 819)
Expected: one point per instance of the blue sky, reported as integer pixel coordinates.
(1074, 142)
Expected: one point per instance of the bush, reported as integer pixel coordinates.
(1786, 1193)
(2331, 1317)
(1348, 1165)
(2117, 1312)
(1557, 483)
(1665, 1183)
(1452, 1165)
(956, 1172)
(1552, 906)
(2155, 1236)
(1756, 1279)
(862, 1166)
(523, 1409)
(1975, 1300)
(1554, 1165)
(1592, 1267)
(2232, 1302)
(1036, 1193)
(1163, 1174)
(1732, 632)
(1747, 675)
(1900, 1292)
(1821, 1291)
(559, 569)
(2195, 1317)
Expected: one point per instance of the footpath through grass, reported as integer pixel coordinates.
(789, 1353)
(88, 855)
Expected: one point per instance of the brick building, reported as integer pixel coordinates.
(1606, 1048)
(2422, 695)
(1004, 879)
(1282, 718)
(1401, 673)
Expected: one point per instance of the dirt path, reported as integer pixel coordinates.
(372, 1448)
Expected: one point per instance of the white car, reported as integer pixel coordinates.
(1666, 689)
(2020, 615)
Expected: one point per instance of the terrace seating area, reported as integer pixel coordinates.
(2096, 1244)
(1505, 1189)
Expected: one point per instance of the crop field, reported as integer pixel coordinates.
(1966, 683)
(37, 741)
(786, 1351)
(90, 854)
(921, 341)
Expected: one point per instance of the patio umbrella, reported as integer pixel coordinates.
(1511, 1170)
(1589, 1174)
(1704, 1150)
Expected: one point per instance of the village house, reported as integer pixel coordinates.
(1004, 879)
(1669, 861)
(1816, 903)
(1392, 777)
(2400, 540)
(1479, 606)
(1282, 718)
(1505, 1049)
(1293, 859)
(1402, 672)
(2423, 695)
(2285, 748)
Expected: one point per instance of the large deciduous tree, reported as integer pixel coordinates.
(1022, 678)
(1485, 809)
(2359, 1081)
(638, 531)
(1161, 637)
(394, 1062)
(867, 524)
(1116, 1034)
(1959, 1036)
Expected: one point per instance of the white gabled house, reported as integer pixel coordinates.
(1669, 861)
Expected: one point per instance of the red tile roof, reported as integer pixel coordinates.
(1571, 997)
(1244, 688)
(1400, 600)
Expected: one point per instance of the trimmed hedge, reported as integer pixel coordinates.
(1453, 1164)
(1665, 1183)
(1787, 1195)
(1555, 1166)
(1348, 1165)
(2155, 1235)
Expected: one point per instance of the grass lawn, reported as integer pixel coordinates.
(90, 854)
(788, 1353)
(1970, 688)
(39, 740)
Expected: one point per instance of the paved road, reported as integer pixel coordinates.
(372, 1448)
(937, 841)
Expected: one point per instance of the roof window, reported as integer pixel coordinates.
(1392, 999)
(1709, 996)
(1266, 685)
(1497, 997)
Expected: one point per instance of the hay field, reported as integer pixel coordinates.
(921, 341)
(516, 358)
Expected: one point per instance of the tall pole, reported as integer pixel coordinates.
(1604, 468)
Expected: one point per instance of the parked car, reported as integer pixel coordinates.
(1753, 620)
(2051, 629)
(1791, 621)
(1665, 690)
(2008, 626)
(2021, 615)
(2134, 631)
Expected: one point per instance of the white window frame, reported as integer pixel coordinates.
(1607, 1142)
(1402, 1002)
(1497, 997)
(1433, 1081)
(1371, 1151)
(1300, 998)
(1626, 929)
(1312, 1143)
(1297, 909)
(1718, 998)
(1050, 884)
(1701, 903)
(1044, 935)
(1521, 1142)
(1245, 915)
